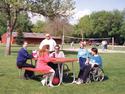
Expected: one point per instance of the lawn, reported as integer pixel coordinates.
(113, 64)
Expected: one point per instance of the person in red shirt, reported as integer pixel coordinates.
(42, 64)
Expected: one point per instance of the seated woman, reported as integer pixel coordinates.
(42, 63)
(95, 58)
(56, 54)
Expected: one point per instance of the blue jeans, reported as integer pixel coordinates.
(81, 65)
(82, 62)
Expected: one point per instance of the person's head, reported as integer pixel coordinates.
(57, 48)
(94, 51)
(25, 44)
(48, 36)
(45, 49)
(82, 44)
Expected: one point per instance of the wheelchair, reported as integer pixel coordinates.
(96, 74)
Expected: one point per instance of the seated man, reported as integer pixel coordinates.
(22, 59)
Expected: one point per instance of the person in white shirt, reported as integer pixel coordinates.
(48, 41)
(56, 54)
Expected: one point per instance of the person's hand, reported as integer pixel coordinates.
(87, 61)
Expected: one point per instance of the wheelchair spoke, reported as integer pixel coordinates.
(98, 74)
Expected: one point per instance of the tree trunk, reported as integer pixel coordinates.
(10, 26)
(8, 41)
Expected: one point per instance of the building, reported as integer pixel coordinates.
(31, 38)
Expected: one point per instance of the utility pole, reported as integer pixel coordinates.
(62, 36)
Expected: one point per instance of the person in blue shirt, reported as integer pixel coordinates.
(95, 58)
(83, 55)
(22, 57)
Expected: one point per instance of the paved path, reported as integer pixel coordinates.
(100, 51)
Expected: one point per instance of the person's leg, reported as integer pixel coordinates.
(80, 73)
(28, 74)
(82, 65)
(86, 72)
(51, 77)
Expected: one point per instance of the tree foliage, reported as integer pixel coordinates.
(52, 8)
(103, 24)
(20, 37)
(58, 27)
(3, 26)
(39, 27)
(23, 23)
(47, 8)
(11, 9)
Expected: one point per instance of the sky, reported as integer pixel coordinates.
(86, 7)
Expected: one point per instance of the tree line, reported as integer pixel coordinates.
(102, 24)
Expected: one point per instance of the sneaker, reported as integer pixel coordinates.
(79, 82)
(74, 82)
(50, 85)
(43, 82)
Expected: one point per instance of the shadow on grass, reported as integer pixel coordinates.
(106, 78)
(70, 52)
(37, 78)
(1, 74)
(68, 78)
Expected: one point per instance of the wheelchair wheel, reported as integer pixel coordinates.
(89, 79)
(98, 74)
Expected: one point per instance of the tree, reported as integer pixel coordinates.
(2, 23)
(20, 38)
(23, 23)
(47, 8)
(11, 8)
(39, 27)
(103, 24)
(52, 8)
(58, 27)
(85, 26)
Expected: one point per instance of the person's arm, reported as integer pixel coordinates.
(27, 55)
(87, 57)
(46, 58)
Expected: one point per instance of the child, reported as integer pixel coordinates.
(56, 54)
(43, 59)
(95, 59)
(83, 56)
(22, 57)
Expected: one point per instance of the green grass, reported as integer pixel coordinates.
(114, 67)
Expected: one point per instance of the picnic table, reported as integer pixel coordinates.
(59, 61)
(62, 61)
